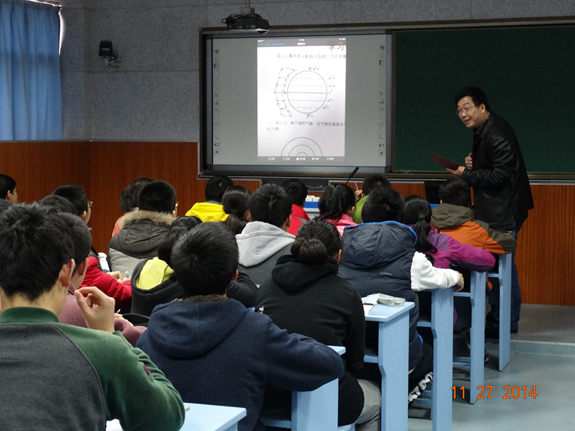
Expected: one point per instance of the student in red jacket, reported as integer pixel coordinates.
(298, 192)
(112, 284)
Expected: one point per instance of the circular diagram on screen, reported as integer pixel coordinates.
(301, 147)
(307, 92)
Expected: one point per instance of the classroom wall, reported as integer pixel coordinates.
(154, 94)
(153, 99)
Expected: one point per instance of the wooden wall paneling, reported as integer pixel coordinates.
(114, 165)
(408, 189)
(40, 167)
(546, 242)
(546, 250)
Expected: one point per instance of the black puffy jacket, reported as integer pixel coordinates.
(377, 258)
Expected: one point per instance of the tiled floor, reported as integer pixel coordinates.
(543, 357)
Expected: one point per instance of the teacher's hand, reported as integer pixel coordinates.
(457, 172)
(469, 161)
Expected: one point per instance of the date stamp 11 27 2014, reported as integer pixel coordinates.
(509, 392)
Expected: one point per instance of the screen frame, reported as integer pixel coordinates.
(206, 145)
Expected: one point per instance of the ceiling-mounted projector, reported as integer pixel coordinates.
(247, 20)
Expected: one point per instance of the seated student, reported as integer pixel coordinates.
(8, 192)
(77, 197)
(72, 314)
(379, 257)
(454, 217)
(112, 283)
(212, 209)
(154, 281)
(54, 204)
(446, 251)
(305, 296)
(236, 203)
(370, 182)
(63, 377)
(298, 192)
(129, 200)
(143, 230)
(217, 351)
(265, 239)
(336, 206)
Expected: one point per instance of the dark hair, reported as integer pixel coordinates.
(236, 202)
(270, 204)
(418, 213)
(372, 181)
(335, 201)
(33, 248)
(7, 184)
(180, 227)
(76, 195)
(80, 236)
(455, 192)
(129, 197)
(476, 94)
(54, 204)
(316, 241)
(297, 191)
(216, 187)
(206, 259)
(157, 196)
(383, 204)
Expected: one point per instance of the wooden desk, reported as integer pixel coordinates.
(392, 358)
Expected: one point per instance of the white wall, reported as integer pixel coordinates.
(154, 95)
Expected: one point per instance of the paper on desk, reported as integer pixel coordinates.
(367, 308)
(368, 302)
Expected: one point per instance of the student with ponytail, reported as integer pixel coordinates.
(236, 202)
(306, 296)
(445, 250)
(336, 206)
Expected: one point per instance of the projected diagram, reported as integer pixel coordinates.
(306, 93)
(301, 100)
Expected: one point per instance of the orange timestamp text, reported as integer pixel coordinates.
(511, 392)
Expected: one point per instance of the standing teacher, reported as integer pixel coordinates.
(496, 171)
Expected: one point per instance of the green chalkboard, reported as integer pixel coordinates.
(528, 74)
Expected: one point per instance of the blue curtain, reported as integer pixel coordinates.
(30, 87)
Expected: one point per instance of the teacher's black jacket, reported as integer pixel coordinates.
(501, 190)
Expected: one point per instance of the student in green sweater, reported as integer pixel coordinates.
(370, 182)
(56, 376)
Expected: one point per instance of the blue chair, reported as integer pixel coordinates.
(311, 410)
(393, 336)
(475, 362)
(504, 276)
(441, 324)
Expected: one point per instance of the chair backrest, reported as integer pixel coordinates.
(311, 410)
